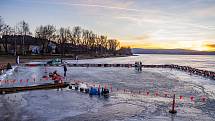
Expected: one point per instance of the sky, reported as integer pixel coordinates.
(157, 24)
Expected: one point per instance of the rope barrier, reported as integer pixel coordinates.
(144, 92)
(109, 86)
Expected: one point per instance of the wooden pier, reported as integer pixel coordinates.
(31, 88)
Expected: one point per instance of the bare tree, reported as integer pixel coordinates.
(86, 40)
(40, 33)
(45, 33)
(23, 29)
(1, 28)
(50, 30)
(92, 41)
(103, 43)
(113, 45)
(2, 25)
(64, 36)
(85, 37)
(7, 30)
(77, 35)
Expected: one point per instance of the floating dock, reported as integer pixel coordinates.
(31, 88)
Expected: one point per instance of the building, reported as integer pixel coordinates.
(11, 44)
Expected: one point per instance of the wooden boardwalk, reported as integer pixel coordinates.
(35, 87)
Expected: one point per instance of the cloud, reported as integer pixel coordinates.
(211, 46)
(143, 37)
(143, 15)
(140, 20)
(101, 3)
(162, 20)
(105, 4)
(205, 12)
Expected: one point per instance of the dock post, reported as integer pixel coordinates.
(173, 111)
(140, 66)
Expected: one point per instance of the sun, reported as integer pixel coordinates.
(199, 48)
(198, 45)
(202, 47)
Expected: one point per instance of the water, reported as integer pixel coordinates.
(53, 105)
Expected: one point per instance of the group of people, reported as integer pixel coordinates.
(56, 77)
(138, 66)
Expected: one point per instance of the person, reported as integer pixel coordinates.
(9, 66)
(140, 66)
(76, 58)
(65, 69)
(57, 79)
(17, 60)
(55, 76)
(55, 72)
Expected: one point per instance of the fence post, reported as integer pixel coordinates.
(173, 111)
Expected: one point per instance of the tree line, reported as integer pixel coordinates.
(77, 37)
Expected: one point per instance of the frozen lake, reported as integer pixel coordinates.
(53, 105)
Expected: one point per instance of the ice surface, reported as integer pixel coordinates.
(53, 105)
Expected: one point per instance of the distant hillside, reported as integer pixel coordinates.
(170, 51)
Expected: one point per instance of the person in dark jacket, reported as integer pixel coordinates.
(65, 69)
(9, 66)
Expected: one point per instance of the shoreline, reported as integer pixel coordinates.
(5, 59)
(24, 59)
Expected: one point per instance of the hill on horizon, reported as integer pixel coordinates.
(171, 51)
